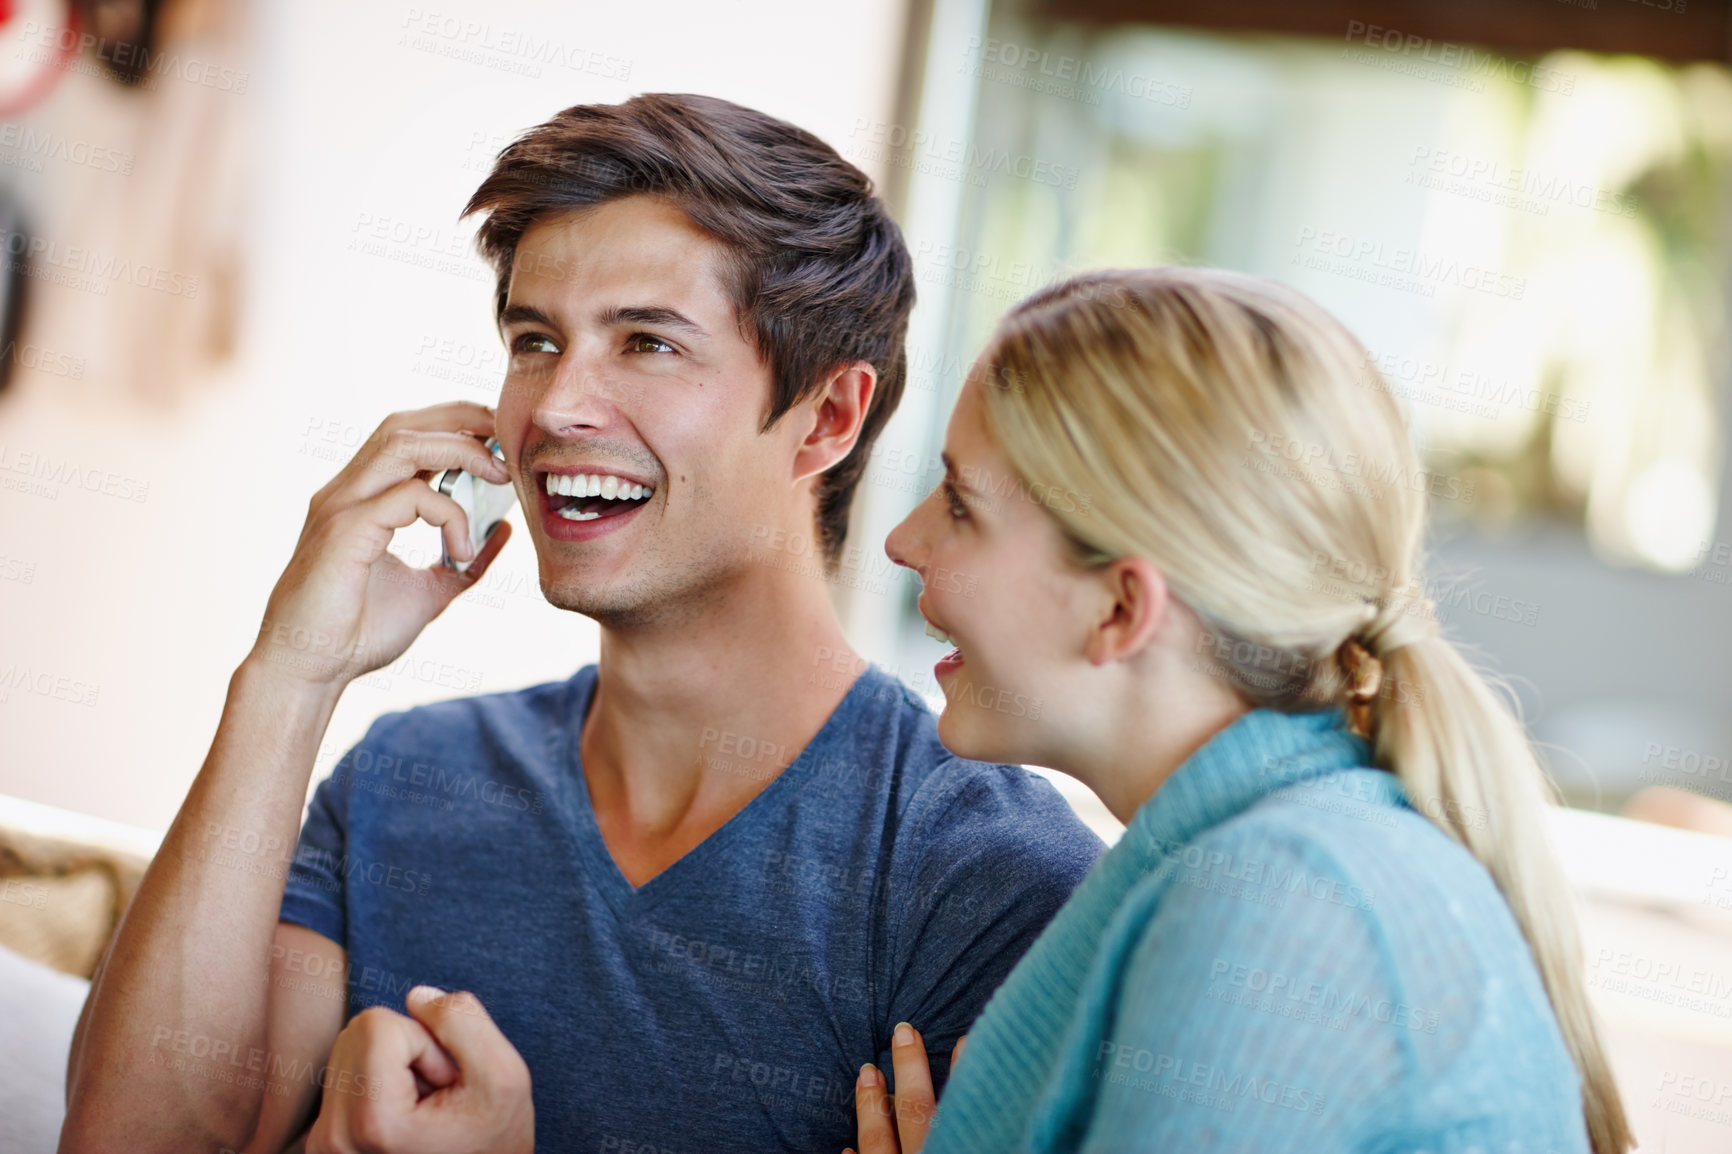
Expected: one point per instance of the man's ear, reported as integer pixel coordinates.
(1134, 603)
(834, 415)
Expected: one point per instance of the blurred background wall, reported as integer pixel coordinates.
(351, 135)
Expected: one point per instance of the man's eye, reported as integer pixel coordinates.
(534, 343)
(645, 343)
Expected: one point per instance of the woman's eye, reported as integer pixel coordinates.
(953, 502)
(534, 343)
(645, 343)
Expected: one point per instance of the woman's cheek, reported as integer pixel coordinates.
(954, 584)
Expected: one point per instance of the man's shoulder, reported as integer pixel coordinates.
(976, 801)
(944, 797)
(927, 769)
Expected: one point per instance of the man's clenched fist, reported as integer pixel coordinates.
(442, 1081)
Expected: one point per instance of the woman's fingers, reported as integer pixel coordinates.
(956, 1052)
(875, 1111)
(898, 1124)
(915, 1101)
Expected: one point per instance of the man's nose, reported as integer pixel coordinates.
(577, 395)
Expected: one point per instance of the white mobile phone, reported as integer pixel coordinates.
(483, 502)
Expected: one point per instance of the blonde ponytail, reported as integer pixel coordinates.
(1236, 434)
(1468, 766)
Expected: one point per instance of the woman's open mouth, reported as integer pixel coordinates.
(950, 660)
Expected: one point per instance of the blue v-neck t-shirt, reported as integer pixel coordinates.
(728, 1002)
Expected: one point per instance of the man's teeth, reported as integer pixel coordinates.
(594, 485)
(938, 634)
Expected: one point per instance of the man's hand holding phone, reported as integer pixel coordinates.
(345, 605)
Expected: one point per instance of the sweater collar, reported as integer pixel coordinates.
(1260, 752)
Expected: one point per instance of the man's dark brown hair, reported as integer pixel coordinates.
(819, 275)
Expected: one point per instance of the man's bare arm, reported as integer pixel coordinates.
(176, 1013)
(179, 1009)
(307, 997)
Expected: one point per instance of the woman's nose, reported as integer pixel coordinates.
(905, 545)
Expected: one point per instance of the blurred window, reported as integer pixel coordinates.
(1531, 247)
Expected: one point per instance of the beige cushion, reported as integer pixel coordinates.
(59, 901)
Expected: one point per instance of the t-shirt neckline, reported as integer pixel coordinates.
(620, 894)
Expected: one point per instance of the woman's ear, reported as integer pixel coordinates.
(1134, 605)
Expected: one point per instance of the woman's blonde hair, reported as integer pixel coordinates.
(1234, 433)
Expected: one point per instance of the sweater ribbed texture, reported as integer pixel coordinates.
(1279, 954)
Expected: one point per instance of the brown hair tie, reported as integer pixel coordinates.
(1364, 678)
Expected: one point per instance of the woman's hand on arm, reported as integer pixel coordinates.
(899, 1123)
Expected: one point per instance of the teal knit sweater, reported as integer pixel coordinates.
(1279, 955)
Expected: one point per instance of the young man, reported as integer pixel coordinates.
(685, 892)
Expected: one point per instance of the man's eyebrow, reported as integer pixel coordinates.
(524, 314)
(650, 315)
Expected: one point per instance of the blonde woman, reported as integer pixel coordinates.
(1333, 922)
